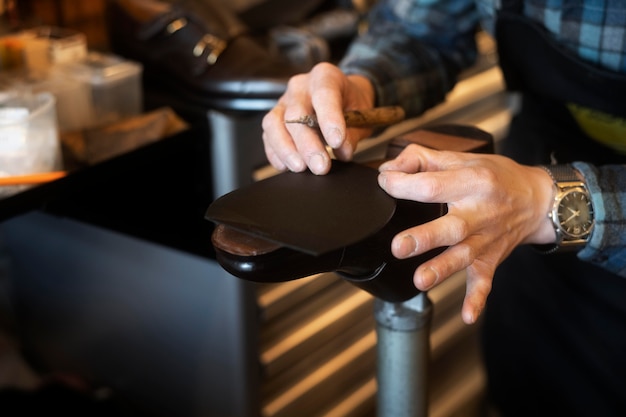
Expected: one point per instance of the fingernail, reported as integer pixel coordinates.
(407, 245)
(383, 167)
(334, 138)
(472, 316)
(318, 163)
(294, 163)
(429, 278)
(382, 180)
(468, 318)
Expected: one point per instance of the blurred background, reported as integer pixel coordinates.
(111, 300)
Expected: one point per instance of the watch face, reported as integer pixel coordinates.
(575, 214)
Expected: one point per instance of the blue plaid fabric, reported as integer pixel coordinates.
(414, 50)
(607, 245)
(595, 30)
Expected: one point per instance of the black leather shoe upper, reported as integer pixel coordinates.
(184, 51)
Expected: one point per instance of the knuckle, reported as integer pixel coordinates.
(459, 227)
(462, 228)
(268, 120)
(408, 152)
(485, 174)
(322, 67)
(481, 280)
(410, 148)
(467, 252)
(296, 81)
(432, 187)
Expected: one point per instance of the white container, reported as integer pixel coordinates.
(73, 101)
(29, 137)
(40, 48)
(114, 84)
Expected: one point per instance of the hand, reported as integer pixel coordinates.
(326, 92)
(494, 204)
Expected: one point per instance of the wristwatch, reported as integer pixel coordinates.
(572, 211)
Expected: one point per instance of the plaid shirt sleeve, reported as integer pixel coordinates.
(414, 50)
(607, 245)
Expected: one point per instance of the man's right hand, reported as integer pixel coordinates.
(326, 92)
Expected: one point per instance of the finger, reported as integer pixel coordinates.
(427, 187)
(310, 147)
(447, 230)
(326, 90)
(325, 102)
(410, 160)
(293, 146)
(438, 186)
(273, 159)
(478, 287)
(278, 142)
(434, 271)
(353, 136)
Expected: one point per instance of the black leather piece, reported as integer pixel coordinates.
(314, 214)
(341, 222)
(137, 30)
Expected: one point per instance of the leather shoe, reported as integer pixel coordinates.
(272, 231)
(196, 50)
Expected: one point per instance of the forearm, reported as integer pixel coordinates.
(607, 245)
(413, 55)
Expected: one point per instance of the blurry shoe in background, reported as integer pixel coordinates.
(195, 50)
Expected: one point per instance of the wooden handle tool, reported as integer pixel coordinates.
(367, 118)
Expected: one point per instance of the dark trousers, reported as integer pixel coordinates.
(554, 329)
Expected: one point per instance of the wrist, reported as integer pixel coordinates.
(546, 190)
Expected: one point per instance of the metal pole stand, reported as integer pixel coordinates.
(403, 350)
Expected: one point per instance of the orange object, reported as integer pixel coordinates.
(37, 178)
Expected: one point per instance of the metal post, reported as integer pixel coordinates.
(403, 331)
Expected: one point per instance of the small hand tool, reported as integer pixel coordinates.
(366, 118)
